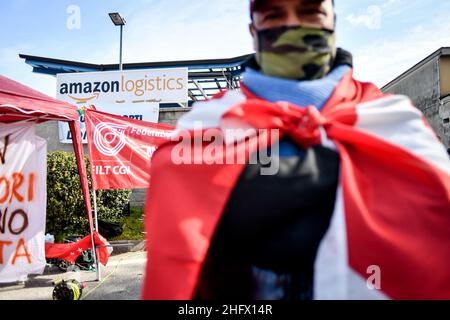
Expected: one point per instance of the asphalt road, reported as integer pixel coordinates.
(121, 280)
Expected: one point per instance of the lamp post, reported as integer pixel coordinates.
(118, 20)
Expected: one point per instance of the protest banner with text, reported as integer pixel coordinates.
(23, 201)
(120, 149)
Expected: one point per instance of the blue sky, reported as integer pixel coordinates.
(386, 37)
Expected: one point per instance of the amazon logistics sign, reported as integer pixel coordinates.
(134, 94)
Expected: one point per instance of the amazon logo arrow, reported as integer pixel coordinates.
(84, 100)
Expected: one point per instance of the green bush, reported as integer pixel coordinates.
(66, 213)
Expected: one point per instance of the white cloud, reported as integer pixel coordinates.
(384, 60)
(371, 19)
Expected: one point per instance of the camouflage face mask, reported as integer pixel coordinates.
(296, 52)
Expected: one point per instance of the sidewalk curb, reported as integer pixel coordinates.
(124, 246)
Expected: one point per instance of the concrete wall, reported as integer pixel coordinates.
(423, 87)
(49, 131)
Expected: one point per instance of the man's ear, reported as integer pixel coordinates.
(252, 30)
(335, 21)
(254, 35)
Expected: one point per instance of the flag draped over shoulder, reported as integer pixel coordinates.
(392, 211)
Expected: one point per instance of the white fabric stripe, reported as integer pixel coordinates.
(358, 288)
(325, 142)
(209, 113)
(333, 277)
(397, 121)
(331, 262)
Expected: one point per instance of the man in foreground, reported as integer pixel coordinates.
(356, 208)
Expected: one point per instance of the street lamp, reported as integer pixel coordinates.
(118, 20)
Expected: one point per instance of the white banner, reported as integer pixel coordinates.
(23, 202)
(133, 94)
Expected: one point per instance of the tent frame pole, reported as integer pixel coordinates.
(75, 130)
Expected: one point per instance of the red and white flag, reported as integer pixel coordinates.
(71, 251)
(120, 149)
(392, 211)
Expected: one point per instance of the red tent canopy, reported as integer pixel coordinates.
(19, 103)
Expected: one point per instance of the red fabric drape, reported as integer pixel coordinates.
(19, 102)
(180, 220)
(71, 251)
(81, 164)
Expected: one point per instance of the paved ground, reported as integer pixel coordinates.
(121, 280)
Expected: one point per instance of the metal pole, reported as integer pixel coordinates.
(95, 210)
(95, 259)
(121, 37)
(97, 264)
